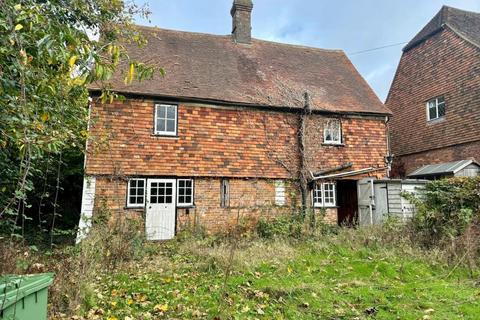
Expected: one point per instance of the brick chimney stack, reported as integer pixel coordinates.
(241, 21)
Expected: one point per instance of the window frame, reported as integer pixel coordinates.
(225, 193)
(326, 127)
(165, 132)
(192, 188)
(320, 187)
(136, 205)
(436, 99)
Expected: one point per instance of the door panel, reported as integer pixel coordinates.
(160, 213)
(365, 201)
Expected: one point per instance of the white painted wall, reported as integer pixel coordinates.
(86, 214)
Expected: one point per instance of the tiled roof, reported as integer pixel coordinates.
(213, 67)
(464, 23)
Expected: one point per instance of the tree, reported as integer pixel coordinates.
(48, 58)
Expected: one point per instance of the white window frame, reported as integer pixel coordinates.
(165, 132)
(136, 205)
(437, 103)
(225, 193)
(320, 187)
(280, 193)
(326, 129)
(185, 204)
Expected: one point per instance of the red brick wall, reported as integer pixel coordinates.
(250, 146)
(447, 65)
(215, 141)
(408, 163)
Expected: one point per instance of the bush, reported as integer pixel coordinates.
(295, 226)
(446, 208)
(281, 226)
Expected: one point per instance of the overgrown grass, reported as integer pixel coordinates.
(354, 274)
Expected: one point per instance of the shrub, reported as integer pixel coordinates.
(446, 207)
(281, 226)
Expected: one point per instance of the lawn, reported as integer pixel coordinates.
(334, 277)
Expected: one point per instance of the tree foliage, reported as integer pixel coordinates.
(49, 56)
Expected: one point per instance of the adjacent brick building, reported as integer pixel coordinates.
(435, 95)
(215, 142)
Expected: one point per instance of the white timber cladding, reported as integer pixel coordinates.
(88, 199)
(280, 192)
(324, 195)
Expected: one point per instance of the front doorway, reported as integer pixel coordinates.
(347, 202)
(160, 213)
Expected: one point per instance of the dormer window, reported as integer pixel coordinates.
(332, 132)
(435, 108)
(166, 119)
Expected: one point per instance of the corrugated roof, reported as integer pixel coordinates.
(464, 23)
(445, 168)
(213, 67)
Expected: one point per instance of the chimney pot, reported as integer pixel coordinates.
(241, 21)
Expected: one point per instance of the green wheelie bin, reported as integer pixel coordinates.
(24, 297)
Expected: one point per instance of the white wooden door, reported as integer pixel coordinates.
(365, 201)
(160, 214)
(381, 202)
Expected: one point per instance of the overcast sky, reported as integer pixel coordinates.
(350, 25)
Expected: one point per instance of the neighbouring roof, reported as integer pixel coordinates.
(447, 168)
(464, 23)
(213, 67)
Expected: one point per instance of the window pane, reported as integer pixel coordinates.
(170, 125)
(169, 191)
(133, 183)
(441, 109)
(432, 113)
(133, 191)
(140, 192)
(181, 183)
(153, 191)
(161, 111)
(328, 135)
(153, 199)
(188, 183)
(168, 199)
(133, 200)
(140, 183)
(160, 125)
(171, 112)
(140, 200)
(188, 199)
(335, 136)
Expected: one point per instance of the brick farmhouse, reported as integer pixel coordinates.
(435, 95)
(216, 139)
